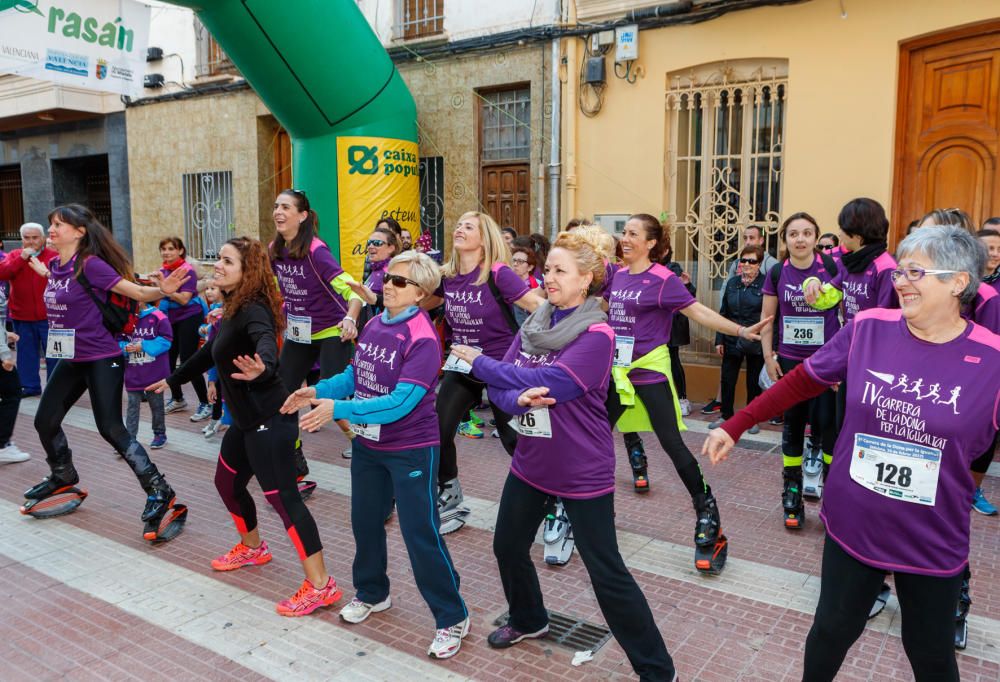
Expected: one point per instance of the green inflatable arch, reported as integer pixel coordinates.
(322, 71)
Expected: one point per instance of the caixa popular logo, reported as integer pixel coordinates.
(364, 160)
(101, 69)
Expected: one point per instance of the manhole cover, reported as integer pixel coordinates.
(570, 631)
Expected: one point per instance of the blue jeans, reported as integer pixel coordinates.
(30, 350)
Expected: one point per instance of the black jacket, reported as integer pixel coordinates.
(680, 329)
(250, 331)
(741, 304)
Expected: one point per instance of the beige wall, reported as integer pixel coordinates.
(841, 100)
(169, 139)
(444, 89)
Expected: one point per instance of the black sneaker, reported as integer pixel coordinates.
(712, 407)
(506, 636)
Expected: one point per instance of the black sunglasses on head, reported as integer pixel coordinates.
(398, 281)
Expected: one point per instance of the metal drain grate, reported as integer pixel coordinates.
(570, 632)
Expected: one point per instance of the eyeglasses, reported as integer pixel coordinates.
(519, 261)
(749, 261)
(827, 247)
(398, 281)
(916, 274)
(376, 242)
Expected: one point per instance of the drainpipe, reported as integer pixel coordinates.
(572, 97)
(554, 157)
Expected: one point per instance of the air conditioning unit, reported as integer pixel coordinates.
(612, 222)
(153, 80)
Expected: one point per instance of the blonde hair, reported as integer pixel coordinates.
(602, 240)
(494, 247)
(586, 250)
(423, 270)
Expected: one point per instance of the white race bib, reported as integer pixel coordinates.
(61, 344)
(624, 345)
(299, 329)
(456, 364)
(803, 331)
(534, 423)
(140, 357)
(369, 431)
(896, 469)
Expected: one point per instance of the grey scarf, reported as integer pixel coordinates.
(539, 337)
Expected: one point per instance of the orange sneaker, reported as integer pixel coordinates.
(308, 599)
(240, 556)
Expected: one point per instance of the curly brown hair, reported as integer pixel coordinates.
(256, 284)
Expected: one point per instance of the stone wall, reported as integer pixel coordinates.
(217, 132)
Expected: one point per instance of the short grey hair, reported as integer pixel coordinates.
(948, 248)
(27, 227)
(423, 270)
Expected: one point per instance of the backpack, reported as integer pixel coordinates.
(508, 314)
(119, 313)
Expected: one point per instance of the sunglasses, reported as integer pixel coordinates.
(827, 247)
(398, 281)
(376, 242)
(749, 261)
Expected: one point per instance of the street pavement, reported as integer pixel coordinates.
(84, 597)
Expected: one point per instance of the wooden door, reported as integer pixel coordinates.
(948, 125)
(507, 195)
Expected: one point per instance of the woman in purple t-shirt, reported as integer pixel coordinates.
(554, 378)
(642, 300)
(478, 287)
(922, 405)
(88, 353)
(801, 331)
(321, 310)
(184, 310)
(392, 379)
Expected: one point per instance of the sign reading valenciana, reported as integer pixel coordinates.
(97, 44)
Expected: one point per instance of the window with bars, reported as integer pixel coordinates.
(724, 167)
(209, 219)
(505, 121)
(419, 18)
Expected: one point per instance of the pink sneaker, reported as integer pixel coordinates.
(308, 599)
(241, 555)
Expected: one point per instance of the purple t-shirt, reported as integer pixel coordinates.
(388, 354)
(642, 306)
(807, 328)
(579, 460)
(143, 369)
(985, 309)
(609, 275)
(871, 288)
(934, 409)
(374, 281)
(305, 286)
(474, 316)
(69, 307)
(177, 313)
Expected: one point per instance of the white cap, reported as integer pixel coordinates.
(32, 226)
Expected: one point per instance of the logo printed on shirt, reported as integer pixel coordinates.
(973, 359)
(915, 389)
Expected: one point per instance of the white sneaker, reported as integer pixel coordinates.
(174, 406)
(685, 407)
(203, 412)
(357, 611)
(447, 641)
(348, 452)
(10, 454)
(211, 429)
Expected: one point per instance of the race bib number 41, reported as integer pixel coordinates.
(534, 423)
(624, 346)
(61, 344)
(897, 469)
(369, 431)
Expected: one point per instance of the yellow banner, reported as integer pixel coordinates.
(377, 177)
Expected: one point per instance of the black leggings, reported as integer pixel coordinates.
(297, 359)
(266, 452)
(103, 379)
(677, 372)
(458, 394)
(184, 345)
(820, 412)
(622, 603)
(847, 591)
(982, 463)
(659, 403)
